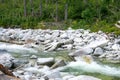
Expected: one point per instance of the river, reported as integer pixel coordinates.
(104, 71)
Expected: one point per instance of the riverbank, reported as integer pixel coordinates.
(98, 43)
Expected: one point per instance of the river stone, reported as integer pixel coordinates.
(117, 41)
(68, 46)
(59, 63)
(98, 43)
(64, 36)
(78, 40)
(6, 60)
(98, 51)
(84, 77)
(82, 51)
(55, 33)
(116, 47)
(53, 74)
(47, 36)
(45, 61)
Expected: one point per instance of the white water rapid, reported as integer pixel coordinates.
(14, 48)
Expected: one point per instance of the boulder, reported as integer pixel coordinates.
(116, 47)
(78, 40)
(98, 43)
(58, 63)
(47, 36)
(53, 75)
(6, 59)
(83, 51)
(64, 36)
(98, 51)
(45, 61)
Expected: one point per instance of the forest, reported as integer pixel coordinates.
(60, 14)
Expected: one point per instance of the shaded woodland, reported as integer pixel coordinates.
(87, 14)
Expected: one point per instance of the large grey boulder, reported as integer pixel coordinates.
(98, 43)
(98, 51)
(80, 52)
(6, 59)
(116, 47)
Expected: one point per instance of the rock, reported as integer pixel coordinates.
(64, 36)
(54, 45)
(84, 77)
(17, 63)
(116, 47)
(78, 40)
(59, 63)
(47, 36)
(53, 75)
(55, 34)
(45, 61)
(82, 51)
(67, 77)
(6, 60)
(32, 70)
(68, 46)
(98, 43)
(117, 41)
(33, 60)
(111, 56)
(98, 51)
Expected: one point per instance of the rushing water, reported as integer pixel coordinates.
(95, 68)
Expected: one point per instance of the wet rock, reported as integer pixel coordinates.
(33, 60)
(45, 61)
(59, 63)
(18, 62)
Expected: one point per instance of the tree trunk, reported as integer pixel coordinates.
(66, 11)
(25, 8)
(40, 7)
(32, 9)
(56, 17)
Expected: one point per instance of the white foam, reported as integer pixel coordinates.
(16, 48)
(95, 68)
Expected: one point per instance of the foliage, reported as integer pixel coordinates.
(87, 14)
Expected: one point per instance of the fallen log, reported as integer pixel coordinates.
(6, 74)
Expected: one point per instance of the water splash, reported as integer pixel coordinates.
(14, 48)
(94, 67)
